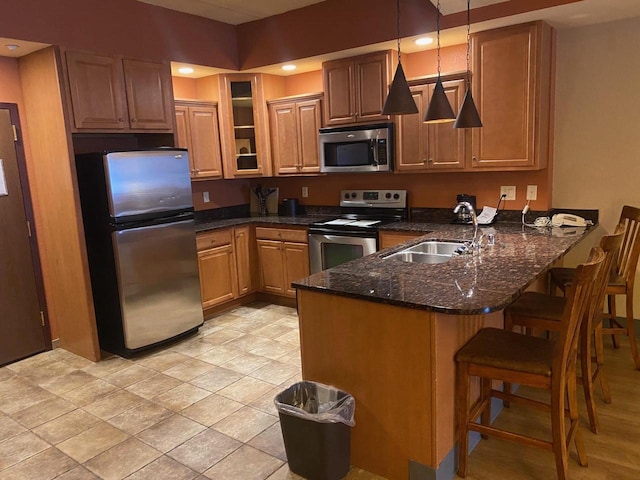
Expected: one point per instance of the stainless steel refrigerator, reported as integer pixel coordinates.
(137, 211)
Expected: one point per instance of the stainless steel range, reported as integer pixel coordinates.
(354, 233)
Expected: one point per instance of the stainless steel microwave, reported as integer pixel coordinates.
(360, 148)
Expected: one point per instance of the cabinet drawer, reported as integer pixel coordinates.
(213, 239)
(280, 234)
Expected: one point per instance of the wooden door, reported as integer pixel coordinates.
(149, 95)
(22, 308)
(447, 144)
(242, 245)
(284, 137)
(183, 133)
(296, 264)
(372, 82)
(97, 89)
(309, 122)
(413, 135)
(271, 266)
(218, 279)
(504, 87)
(339, 89)
(205, 141)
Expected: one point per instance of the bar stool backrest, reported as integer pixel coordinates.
(627, 261)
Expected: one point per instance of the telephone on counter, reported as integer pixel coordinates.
(569, 220)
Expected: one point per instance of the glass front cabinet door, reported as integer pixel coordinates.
(244, 133)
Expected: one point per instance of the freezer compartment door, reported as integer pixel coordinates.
(158, 282)
(147, 182)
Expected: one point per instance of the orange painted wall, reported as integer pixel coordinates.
(418, 64)
(222, 193)
(309, 82)
(185, 88)
(437, 190)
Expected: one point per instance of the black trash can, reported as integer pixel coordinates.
(316, 423)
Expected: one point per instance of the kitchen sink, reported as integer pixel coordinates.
(436, 247)
(431, 251)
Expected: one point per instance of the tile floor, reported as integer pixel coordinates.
(201, 408)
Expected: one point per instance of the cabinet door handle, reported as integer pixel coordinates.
(120, 120)
(430, 160)
(133, 120)
(474, 158)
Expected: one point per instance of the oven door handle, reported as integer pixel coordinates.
(333, 234)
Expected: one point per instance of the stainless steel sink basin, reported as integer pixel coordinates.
(417, 257)
(431, 251)
(436, 247)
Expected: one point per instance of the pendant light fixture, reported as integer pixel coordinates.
(468, 116)
(399, 101)
(439, 110)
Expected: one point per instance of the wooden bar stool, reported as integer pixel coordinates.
(495, 354)
(540, 311)
(620, 283)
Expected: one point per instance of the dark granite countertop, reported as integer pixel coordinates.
(465, 284)
(207, 225)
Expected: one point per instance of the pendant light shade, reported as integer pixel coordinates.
(399, 101)
(439, 110)
(468, 116)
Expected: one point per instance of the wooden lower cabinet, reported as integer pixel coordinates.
(225, 264)
(283, 256)
(243, 242)
(390, 239)
(218, 276)
(271, 266)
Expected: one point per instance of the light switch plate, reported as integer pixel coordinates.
(205, 197)
(532, 192)
(305, 192)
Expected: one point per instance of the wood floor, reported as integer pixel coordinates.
(613, 454)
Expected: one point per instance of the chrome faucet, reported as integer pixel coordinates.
(475, 244)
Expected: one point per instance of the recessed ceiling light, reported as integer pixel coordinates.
(185, 70)
(289, 67)
(424, 41)
(12, 46)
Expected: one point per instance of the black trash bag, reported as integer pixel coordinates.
(317, 402)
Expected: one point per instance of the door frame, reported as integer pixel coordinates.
(28, 208)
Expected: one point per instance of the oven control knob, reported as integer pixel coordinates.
(346, 196)
(388, 195)
(353, 194)
(396, 196)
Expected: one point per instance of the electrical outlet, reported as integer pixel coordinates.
(532, 192)
(509, 191)
(205, 197)
(305, 192)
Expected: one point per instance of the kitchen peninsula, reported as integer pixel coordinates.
(386, 331)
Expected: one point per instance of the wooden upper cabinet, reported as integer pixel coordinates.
(98, 98)
(244, 123)
(197, 130)
(113, 94)
(149, 95)
(426, 147)
(512, 91)
(294, 125)
(356, 88)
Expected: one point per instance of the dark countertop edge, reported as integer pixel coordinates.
(411, 305)
(209, 225)
(449, 311)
